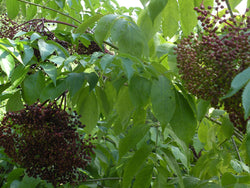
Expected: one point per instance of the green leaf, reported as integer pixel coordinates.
(134, 165)
(227, 127)
(92, 79)
(163, 99)
(246, 100)
(238, 82)
(32, 87)
(234, 3)
(87, 23)
(135, 134)
(147, 26)
(183, 119)
(29, 182)
(51, 70)
(12, 8)
(144, 2)
(228, 179)
(5, 86)
(206, 3)
(74, 82)
(144, 177)
(103, 101)
(14, 175)
(171, 19)
(202, 109)
(127, 65)
(60, 3)
(187, 16)
(18, 75)
(129, 37)
(124, 105)
(248, 141)
(179, 155)
(31, 12)
(52, 92)
(88, 108)
(28, 54)
(139, 90)
(45, 49)
(155, 7)
(7, 62)
(172, 163)
(103, 28)
(106, 60)
(14, 103)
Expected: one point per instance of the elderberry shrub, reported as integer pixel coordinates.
(43, 140)
(209, 61)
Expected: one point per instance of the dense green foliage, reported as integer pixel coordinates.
(118, 69)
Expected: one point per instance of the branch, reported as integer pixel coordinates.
(50, 9)
(236, 131)
(230, 9)
(236, 149)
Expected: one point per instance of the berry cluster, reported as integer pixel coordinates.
(43, 139)
(7, 27)
(210, 60)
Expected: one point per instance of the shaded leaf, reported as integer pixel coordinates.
(32, 87)
(74, 82)
(163, 99)
(14, 103)
(238, 82)
(134, 165)
(52, 92)
(51, 70)
(135, 134)
(144, 177)
(124, 105)
(139, 90)
(89, 110)
(129, 37)
(183, 119)
(45, 49)
(155, 7)
(84, 26)
(103, 28)
(246, 100)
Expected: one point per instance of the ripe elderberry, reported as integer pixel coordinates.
(210, 60)
(43, 140)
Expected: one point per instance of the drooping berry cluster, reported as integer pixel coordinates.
(43, 139)
(210, 60)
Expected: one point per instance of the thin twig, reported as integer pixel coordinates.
(47, 21)
(34, 4)
(230, 9)
(236, 149)
(111, 45)
(236, 131)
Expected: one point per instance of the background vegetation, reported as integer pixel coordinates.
(157, 107)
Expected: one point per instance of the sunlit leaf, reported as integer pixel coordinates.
(12, 8)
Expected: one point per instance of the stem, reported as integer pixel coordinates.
(104, 179)
(111, 45)
(236, 149)
(51, 10)
(236, 131)
(230, 9)
(48, 21)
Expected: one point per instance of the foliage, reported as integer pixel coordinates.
(117, 68)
